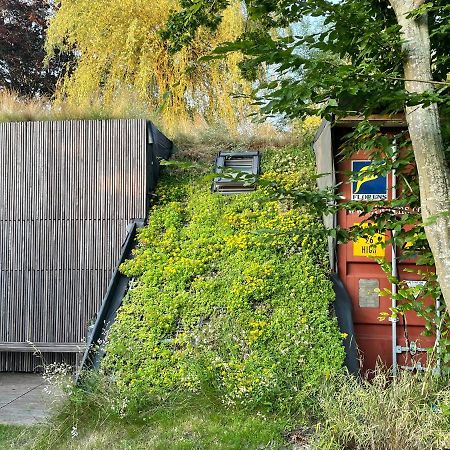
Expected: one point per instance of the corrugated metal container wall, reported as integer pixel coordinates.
(67, 192)
(355, 262)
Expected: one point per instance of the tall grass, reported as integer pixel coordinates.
(410, 412)
(196, 138)
(94, 417)
(19, 109)
(199, 140)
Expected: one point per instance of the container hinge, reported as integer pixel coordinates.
(417, 367)
(412, 349)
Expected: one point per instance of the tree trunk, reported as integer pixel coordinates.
(425, 132)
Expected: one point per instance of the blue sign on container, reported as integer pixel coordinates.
(370, 187)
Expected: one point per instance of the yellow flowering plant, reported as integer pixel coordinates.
(230, 293)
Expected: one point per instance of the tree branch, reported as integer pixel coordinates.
(440, 83)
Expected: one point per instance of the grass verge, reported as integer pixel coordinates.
(15, 437)
(411, 412)
(86, 423)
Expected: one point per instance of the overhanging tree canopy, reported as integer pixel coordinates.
(374, 56)
(119, 48)
(23, 27)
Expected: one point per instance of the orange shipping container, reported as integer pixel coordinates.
(357, 275)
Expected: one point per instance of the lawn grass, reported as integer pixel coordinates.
(188, 430)
(15, 437)
(187, 425)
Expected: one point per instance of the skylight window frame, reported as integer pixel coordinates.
(228, 186)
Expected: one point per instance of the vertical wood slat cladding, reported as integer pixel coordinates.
(29, 362)
(67, 192)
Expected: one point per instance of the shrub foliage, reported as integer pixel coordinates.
(230, 293)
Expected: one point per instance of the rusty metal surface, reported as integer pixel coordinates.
(374, 337)
(359, 274)
(67, 193)
(382, 120)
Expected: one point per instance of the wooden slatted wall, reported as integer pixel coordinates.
(67, 192)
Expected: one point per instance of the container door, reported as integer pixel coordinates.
(385, 341)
